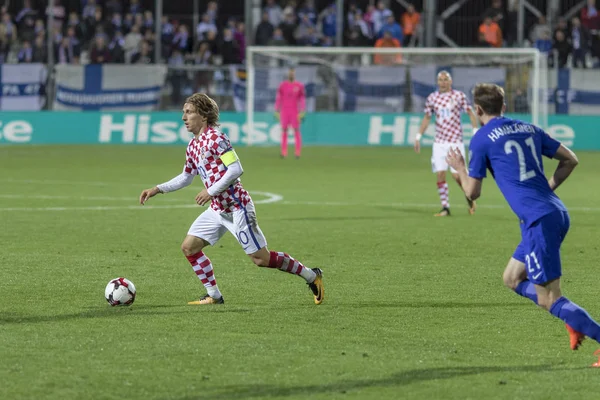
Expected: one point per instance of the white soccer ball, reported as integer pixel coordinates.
(120, 292)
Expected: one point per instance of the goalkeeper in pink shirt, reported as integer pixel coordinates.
(290, 105)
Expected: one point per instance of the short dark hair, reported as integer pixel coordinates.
(489, 97)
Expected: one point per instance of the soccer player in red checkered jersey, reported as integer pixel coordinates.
(447, 104)
(210, 155)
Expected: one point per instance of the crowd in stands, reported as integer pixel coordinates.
(122, 31)
(115, 31)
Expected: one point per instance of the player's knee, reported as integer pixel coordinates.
(189, 248)
(545, 302)
(510, 280)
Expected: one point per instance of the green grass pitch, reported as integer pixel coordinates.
(414, 307)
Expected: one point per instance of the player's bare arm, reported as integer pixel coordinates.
(567, 163)
(471, 186)
(424, 124)
(148, 193)
(473, 119)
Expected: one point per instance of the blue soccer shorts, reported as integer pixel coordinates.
(540, 245)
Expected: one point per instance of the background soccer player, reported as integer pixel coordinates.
(447, 104)
(210, 155)
(512, 151)
(290, 106)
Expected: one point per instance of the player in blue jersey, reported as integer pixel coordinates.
(512, 151)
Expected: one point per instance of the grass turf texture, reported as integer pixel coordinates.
(414, 307)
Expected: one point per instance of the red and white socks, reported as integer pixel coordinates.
(204, 270)
(284, 262)
(443, 192)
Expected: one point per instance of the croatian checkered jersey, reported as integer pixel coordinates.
(203, 158)
(447, 108)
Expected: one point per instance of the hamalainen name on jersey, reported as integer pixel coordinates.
(496, 133)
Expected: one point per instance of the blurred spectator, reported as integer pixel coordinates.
(590, 17)
(148, 22)
(89, 10)
(359, 33)
(274, 11)
(132, 42)
(64, 53)
(562, 48)
(328, 20)
(116, 47)
(176, 77)
(288, 28)
(481, 42)
(393, 28)
(128, 23)
(26, 53)
(351, 14)
(308, 10)
(135, 7)
(213, 44)
(491, 32)
(378, 17)
(539, 30)
(277, 39)
(59, 13)
(204, 26)
(75, 23)
(181, 40)
(239, 35)
(579, 42)
(10, 30)
(304, 29)
(387, 41)
(25, 21)
(496, 13)
(520, 103)
(212, 10)
(203, 56)
(114, 6)
(561, 26)
(229, 48)
(39, 27)
(74, 41)
(512, 23)
(144, 55)
(544, 43)
(264, 31)
(290, 8)
(40, 50)
(410, 23)
(100, 53)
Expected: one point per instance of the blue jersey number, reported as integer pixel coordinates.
(524, 174)
(202, 172)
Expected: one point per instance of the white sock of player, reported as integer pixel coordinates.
(204, 270)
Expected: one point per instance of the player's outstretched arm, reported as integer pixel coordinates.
(180, 181)
(422, 128)
(567, 161)
(471, 186)
(148, 193)
(473, 119)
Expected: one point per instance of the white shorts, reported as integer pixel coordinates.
(211, 226)
(439, 153)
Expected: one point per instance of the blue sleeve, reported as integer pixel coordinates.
(477, 159)
(549, 145)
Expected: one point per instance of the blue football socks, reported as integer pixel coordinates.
(576, 317)
(527, 289)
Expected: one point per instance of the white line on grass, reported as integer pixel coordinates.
(269, 198)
